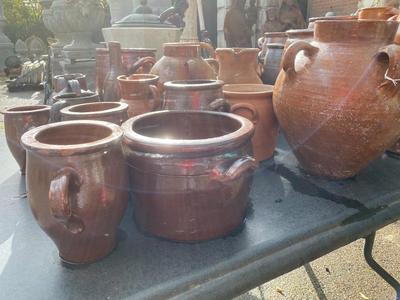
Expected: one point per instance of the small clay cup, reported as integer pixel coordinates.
(254, 101)
(114, 112)
(17, 121)
(140, 92)
(77, 181)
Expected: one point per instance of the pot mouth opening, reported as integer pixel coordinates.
(71, 137)
(72, 96)
(187, 131)
(27, 109)
(141, 78)
(194, 84)
(94, 108)
(247, 89)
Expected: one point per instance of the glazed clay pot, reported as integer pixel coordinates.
(299, 35)
(192, 172)
(60, 82)
(336, 108)
(65, 100)
(312, 21)
(140, 92)
(182, 61)
(17, 121)
(195, 95)
(134, 60)
(254, 101)
(113, 112)
(272, 63)
(270, 38)
(77, 182)
(377, 13)
(238, 65)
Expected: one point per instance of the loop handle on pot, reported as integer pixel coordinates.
(55, 111)
(156, 97)
(220, 104)
(392, 75)
(289, 57)
(62, 193)
(209, 48)
(236, 170)
(213, 63)
(247, 107)
(141, 63)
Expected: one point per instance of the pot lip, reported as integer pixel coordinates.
(157, 145)
(28, 109)
(85, 97)
(120, 107)
(128, 50)
(333, 18)
(138, 78)
(30, 143)
(195, 84)
(241, 90)
(388, 8)
(300, 31)
(76, 75)
(237, 50)
(275, 34)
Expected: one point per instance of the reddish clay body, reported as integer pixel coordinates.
(17, 121)
(77, 182)
(336, 108)
(377, 13)
(254, 101)
(192, 172)
(113, 112)
(312, 21)
(299, 35)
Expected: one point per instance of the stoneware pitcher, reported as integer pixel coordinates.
(337, 98)
(17, 121)
(238, 65)
(77, 181)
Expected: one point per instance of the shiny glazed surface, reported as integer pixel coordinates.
(336, 108)
(62, 101)
(272, 63)
(191, 172)
(17, 121)
(77, 181)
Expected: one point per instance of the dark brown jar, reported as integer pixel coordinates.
(77, 181)
(65, 100)
(192, 172)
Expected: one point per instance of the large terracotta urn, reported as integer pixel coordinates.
(336, 98)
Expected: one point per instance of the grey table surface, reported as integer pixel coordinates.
(293, 218)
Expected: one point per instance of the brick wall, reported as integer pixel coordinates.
(340, 7)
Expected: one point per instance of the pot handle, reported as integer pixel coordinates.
(214, 64)
(62, 192)
(55, 111)
(156, 97)
(291, 52)
(219, 104)
(392, 75)
(209, 48)
(141, 63)
(248, 107)
(238, 168)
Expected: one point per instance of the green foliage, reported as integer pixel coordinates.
(24, 18)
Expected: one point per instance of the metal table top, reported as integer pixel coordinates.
(293, 219)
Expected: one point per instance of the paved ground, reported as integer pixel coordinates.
(343, 274)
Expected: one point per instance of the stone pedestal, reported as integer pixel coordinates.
(6, 47)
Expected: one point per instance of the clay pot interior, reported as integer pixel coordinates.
(26, 109)
(98, 107)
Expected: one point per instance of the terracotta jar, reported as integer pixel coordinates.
(77, 182)
(17, 121)
(238, 65)
(113, 112)
(299, 35)
(182, 61)
(272, 63)
(65, 100)
(192, 172)
(140, 92)
(195, 95)
(254, 101)
(270, 38)
(111, 90)
(333, 101)
(377, 13)
(312, 21)
(395, 150)
(134, 60)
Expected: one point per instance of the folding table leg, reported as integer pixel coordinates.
(369, 245)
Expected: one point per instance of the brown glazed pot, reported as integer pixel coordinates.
(182, 61)
(134, 60)
(312, 21)
(195, 95)
(238, 65)
(140, 92)
(17, 121)
(377, 13)
(272, 63)
(336, 108)
(192, 172)
(270, 38)
(65, 100)
(254, 101)
(299, 35)
(60, 82)
(77, 181)
(113, 112)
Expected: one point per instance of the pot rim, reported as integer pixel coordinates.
(388, 8)
(30, 143)
(127, 50)
(39, 108)
(120, 107)
(275, 34)
(85, 97)
(138, 78)
(333, 18)
(178, 146)
(244, 90)
(237, 50)
(194, 84)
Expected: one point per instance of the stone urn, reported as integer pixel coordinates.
(83, 18)
(54, 19)
(6, 47)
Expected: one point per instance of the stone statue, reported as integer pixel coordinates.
(236, 30)
(143, 8)
(189, 33)
(252, 14)
(290, 15)
(272, 23)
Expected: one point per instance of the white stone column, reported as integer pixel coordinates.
(189, 33)
(6, 47)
